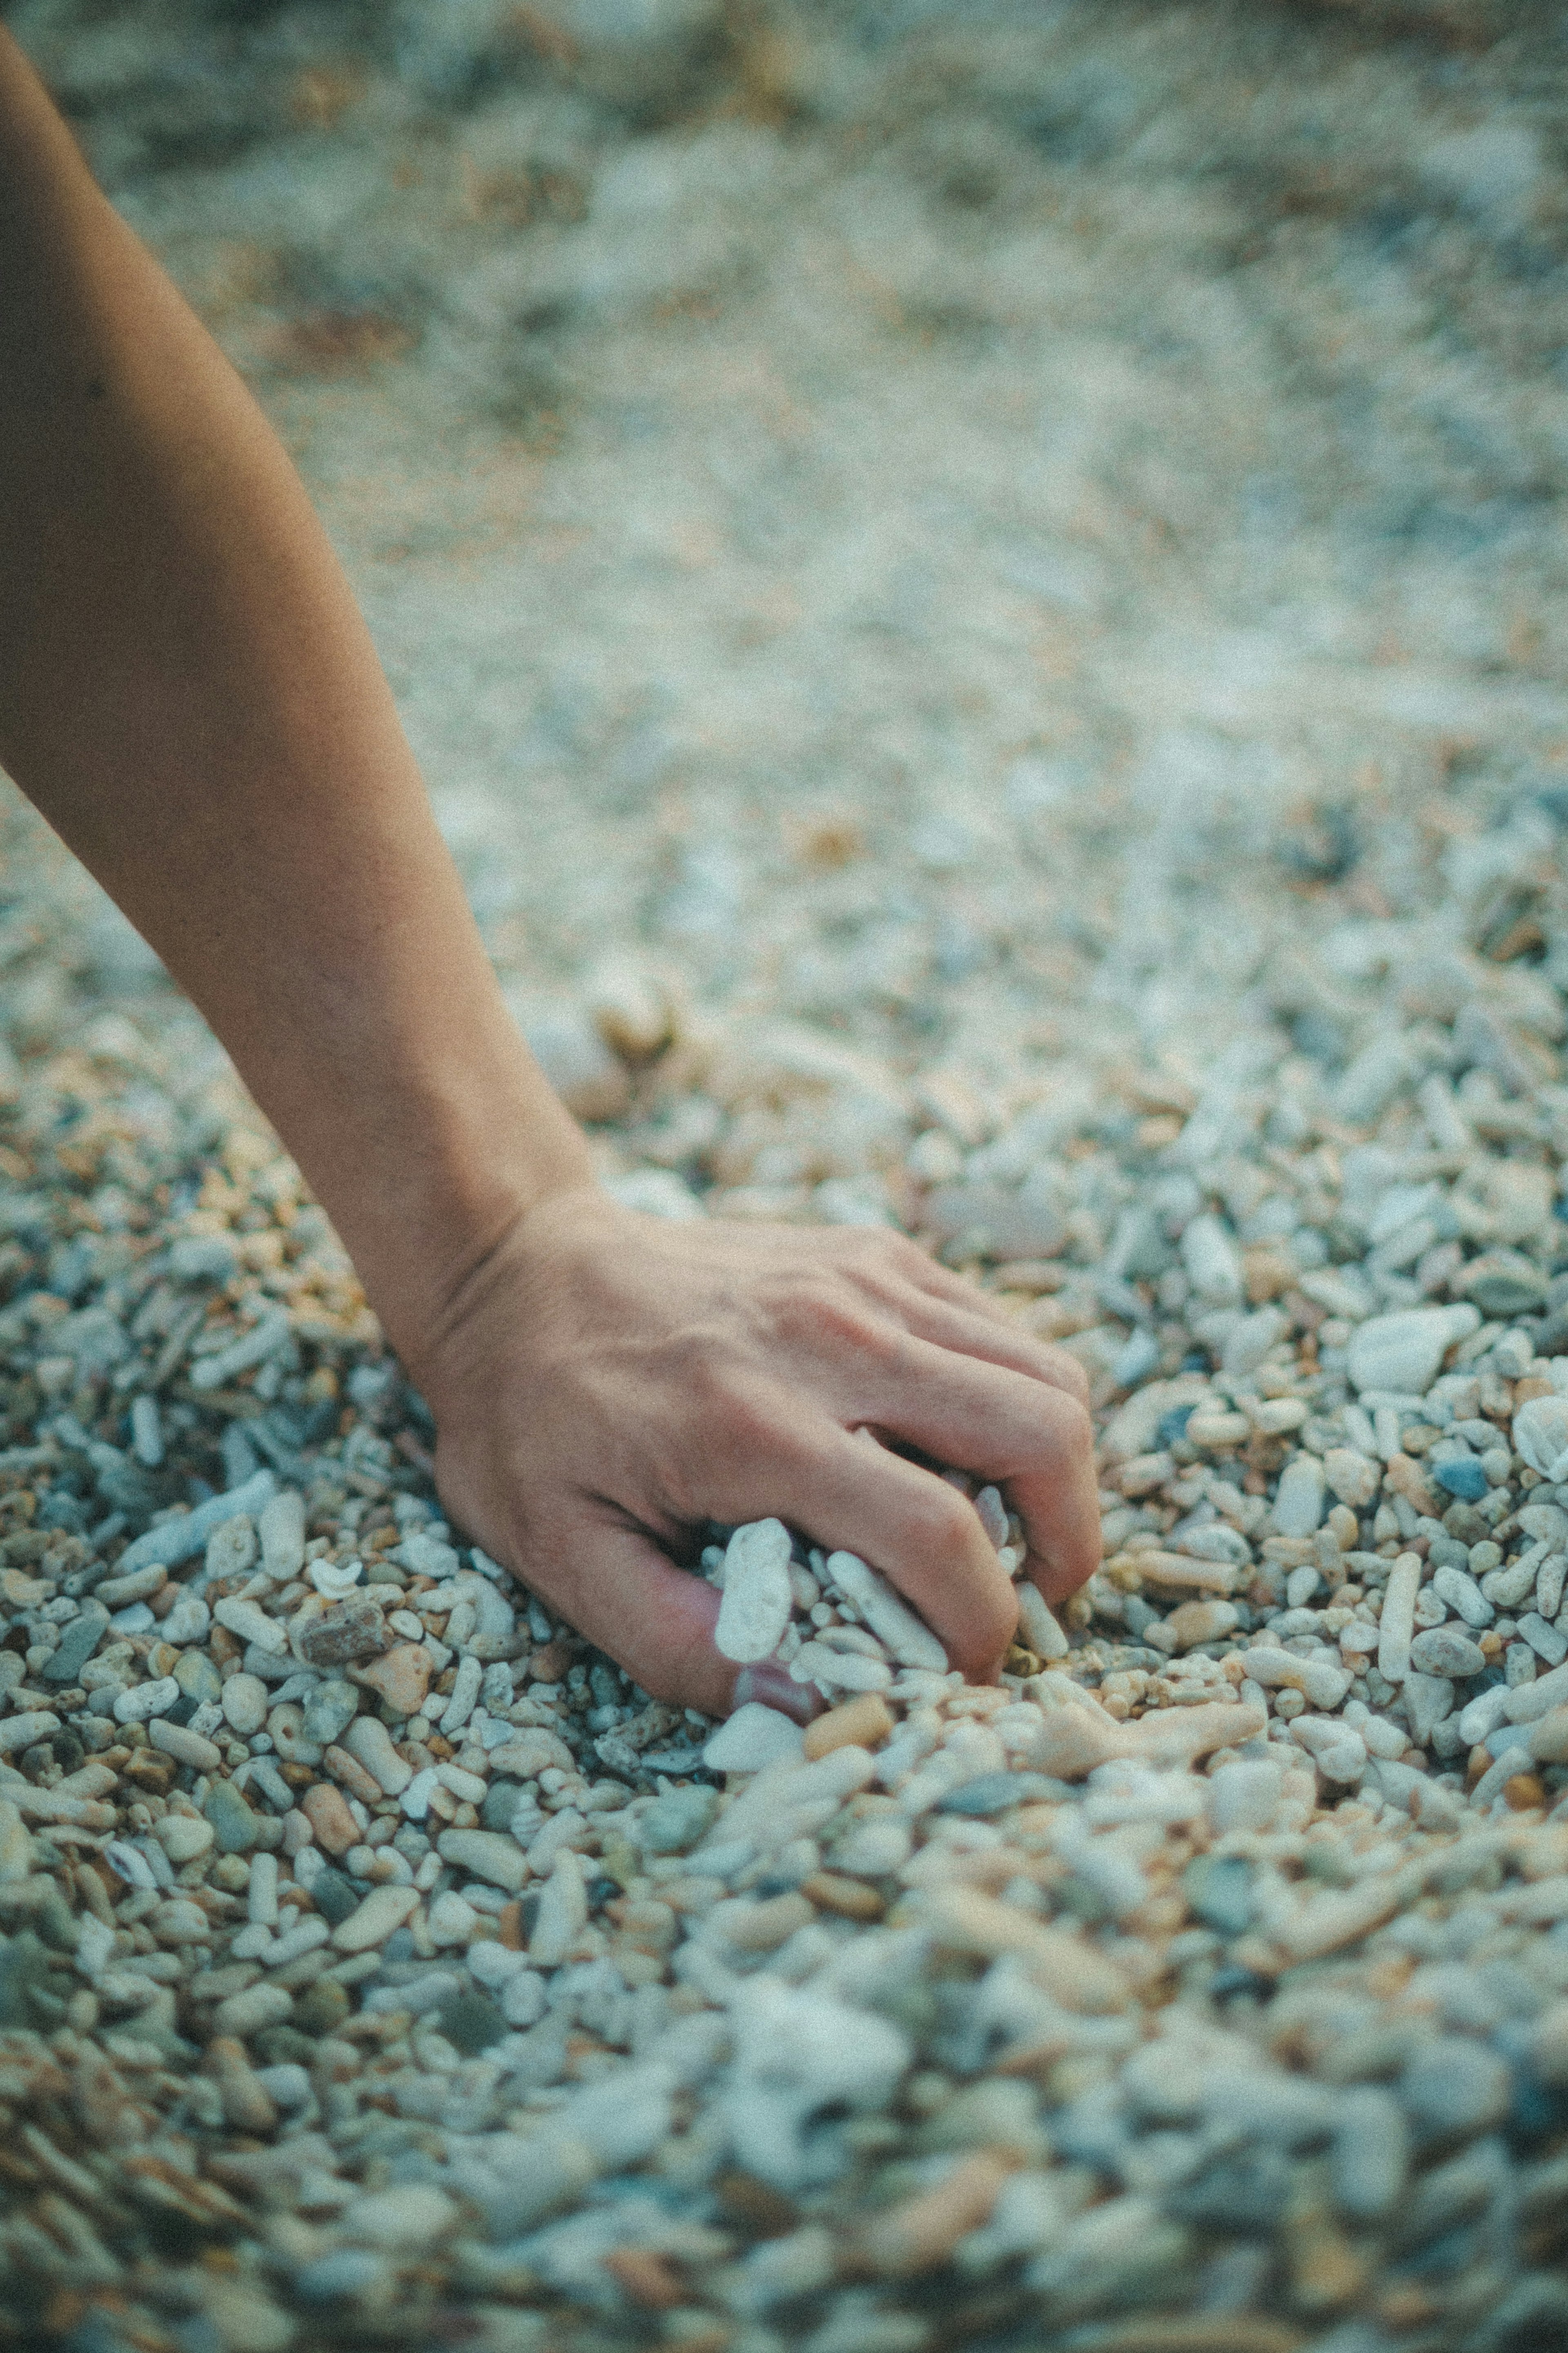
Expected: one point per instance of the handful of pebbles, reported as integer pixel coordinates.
(837, 1625)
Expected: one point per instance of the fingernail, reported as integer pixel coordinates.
(776, 1689)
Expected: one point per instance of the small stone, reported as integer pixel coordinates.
(1245, 1795)
(248, 2012)
(1445, 1650)
(1213, 1262)
(116, 1592)
(491, 1855)
(1299, 1504)
(1429, 1702)
(451, 1920)
(847, 1897)
(757, 1600)
(1319, 1680)
(920, 2232)
(835, 1670)
(1540, 1435)
(1454, 2085)
(252, 1624)
(186, 1746)
(1404, 1351)
(1370, 2155)
(19, 1732)
(677, 1821)
(180, 1539)
(281, 1528)
(345, 1633)
(244, 1703)
(1219, 1890)
(562, 1912)
(373, 1921)
(333, 1896)
(911, 1643)
(863, 1722)
(1462, 1476)
(1037, 1626)
(77, 1644)
(326, 1810)
(1546, 1640)
(143, 1701)
(16, 1846)
(182, 1837)
(1354, 1477)
(1191, 1622)
(195, 1671)
(234, 1824)
(370, 1742)
(753, 1737)
(996, 1793)
(1396, 1624)
(402, 1676)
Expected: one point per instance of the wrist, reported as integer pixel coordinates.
(455, 1161)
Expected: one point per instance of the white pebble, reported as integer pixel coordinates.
(758, 1596)
(753, 1737)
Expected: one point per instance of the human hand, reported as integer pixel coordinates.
(606, 1382)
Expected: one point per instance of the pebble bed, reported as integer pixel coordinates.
(379, 1966)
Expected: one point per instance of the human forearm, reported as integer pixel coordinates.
(189, 694)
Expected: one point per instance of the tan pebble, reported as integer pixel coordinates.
(1180, 1736)
(401, 1675)
(1522, 1791)
(1240, 2332)
(509, 1921)
(921, 2231)
(963, 1920)
(354, 1776)
(1200, 1621)
(1177, 1573)
(649, 2280)
(863, 1722)
(1326, 2273)
(245, 2104)
(761, 1927)
(851, 1899)
(326, 1811)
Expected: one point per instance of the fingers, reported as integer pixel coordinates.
(1031, 1438)
(962, 1334)
(924, 1536)
(654, 1620)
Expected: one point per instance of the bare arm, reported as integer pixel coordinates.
(189, 694)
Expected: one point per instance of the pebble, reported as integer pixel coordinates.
(373, 1920)
(186, 1746)
(244, 1703)
(491, 1855)
(1298, 1504)
(181, 1539)
(1444, 1650)
(252, 1624)
(367, 1739)
(1405, 1350)
(401, 1675)
(333, 1825)
(234, 1824)
(864, 1722)
(757, 1602)
(144, 1701)
(1396, 1623)
(753, 1738)
(344, 1634)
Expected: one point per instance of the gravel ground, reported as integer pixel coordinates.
(1009, 561)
